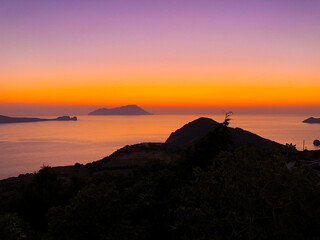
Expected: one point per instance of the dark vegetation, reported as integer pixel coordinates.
(216, 190)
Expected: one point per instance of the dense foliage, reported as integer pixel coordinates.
(213, 192)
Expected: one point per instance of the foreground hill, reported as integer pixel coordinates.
(199, 128)
(5, 119)
(205, 191)
(130, 157)
(124, 110)
(135, 155)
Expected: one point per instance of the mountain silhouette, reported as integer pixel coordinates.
(124, 110)
(312, 120)
(199, 128)
(192, 132)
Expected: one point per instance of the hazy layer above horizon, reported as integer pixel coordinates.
(54, 110)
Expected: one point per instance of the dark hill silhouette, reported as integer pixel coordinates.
(199, 128)
(312, 120)
(189, 134)
(192, 132)
(5, 119)
(124, 110)
(129, 157)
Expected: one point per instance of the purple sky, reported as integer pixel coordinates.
(53, 44)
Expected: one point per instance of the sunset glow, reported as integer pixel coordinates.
(160, 53)
(168, 95)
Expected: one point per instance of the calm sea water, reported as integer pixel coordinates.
(25, 147)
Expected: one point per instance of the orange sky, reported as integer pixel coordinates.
(177, 84)
(167, 95)
(201, 53)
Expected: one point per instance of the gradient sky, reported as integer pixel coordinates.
(160, 53)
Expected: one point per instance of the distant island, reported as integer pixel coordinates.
(6, 119)
(312, 120)
(316, 142)
(124, 110)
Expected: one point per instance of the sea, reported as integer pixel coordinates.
(26, 147)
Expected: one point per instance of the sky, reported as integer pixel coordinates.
(165, 54)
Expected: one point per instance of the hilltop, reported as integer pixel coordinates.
(201, 127)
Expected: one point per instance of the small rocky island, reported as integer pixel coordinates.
(124, 110)
(5, 119)
(312, 120)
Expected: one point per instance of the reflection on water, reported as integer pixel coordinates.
(25, 147)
